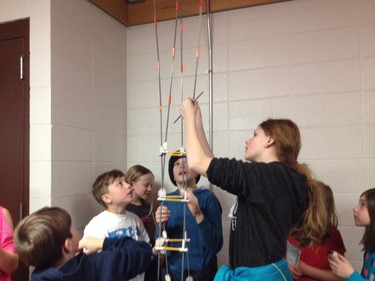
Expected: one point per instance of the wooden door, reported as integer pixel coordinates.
(14, 123)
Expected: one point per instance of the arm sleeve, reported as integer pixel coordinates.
(368, 269)
(210, 228)
(123, 258)
(356, 277)
(234, 176)
(6, 235)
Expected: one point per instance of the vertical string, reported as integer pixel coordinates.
(197, 51)
(163, 144)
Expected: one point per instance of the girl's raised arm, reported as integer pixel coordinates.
(198, 153)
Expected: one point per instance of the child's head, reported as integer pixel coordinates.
(40, 237)
(178, 169)
(111, 186)
(320, 216)
(286, 136)
(364, 215)
(142, 180)
(330, 205)
(364, 212)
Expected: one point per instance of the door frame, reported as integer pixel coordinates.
(8, 31)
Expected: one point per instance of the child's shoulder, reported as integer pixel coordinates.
(101, 215)
(204, 192)
(128, 215)
(370, 256)
(132, 216)
(101, 218)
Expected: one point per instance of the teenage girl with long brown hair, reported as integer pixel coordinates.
(271, 190)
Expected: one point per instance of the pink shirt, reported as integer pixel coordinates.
(6, 241)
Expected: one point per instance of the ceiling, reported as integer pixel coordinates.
(135, 12)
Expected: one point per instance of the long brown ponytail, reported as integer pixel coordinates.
(313, 226)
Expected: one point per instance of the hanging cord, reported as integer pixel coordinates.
(170, 92)
(182, 75)
(163, 147)
(185, 234)
(184, 169)
(172, 69)
(159, 74)
(160, 227)
(184, 231)
(197, 52)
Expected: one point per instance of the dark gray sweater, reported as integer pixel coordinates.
(271, 198)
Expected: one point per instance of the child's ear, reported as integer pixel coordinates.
(68, 246)
(270, 142)
(106, 198)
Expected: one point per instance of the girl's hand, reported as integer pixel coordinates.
(294, 270)
(340, 266)
(90, 244)
(162, 214)
(193, 204)
(188, 109)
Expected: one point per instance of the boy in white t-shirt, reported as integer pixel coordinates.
(112, 191)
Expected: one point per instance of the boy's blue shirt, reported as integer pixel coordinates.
(120, 259)
(206, 238)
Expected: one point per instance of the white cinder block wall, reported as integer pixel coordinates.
(309, 60)
(88, 104)
(77, 100)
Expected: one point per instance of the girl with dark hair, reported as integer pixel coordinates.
(364, 215)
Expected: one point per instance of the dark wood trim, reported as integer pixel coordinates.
(142, 11)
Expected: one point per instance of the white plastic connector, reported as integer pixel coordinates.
(162, 194)
(163, 149)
